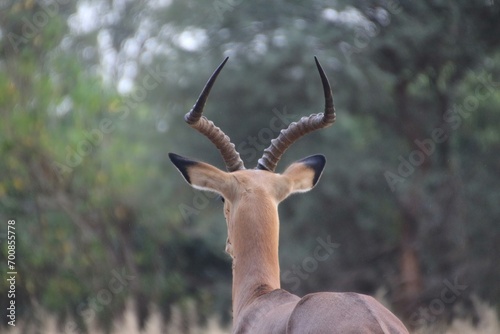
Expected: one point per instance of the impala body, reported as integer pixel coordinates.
(251, 198)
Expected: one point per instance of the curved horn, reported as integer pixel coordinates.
(294, 131)
(195, 119)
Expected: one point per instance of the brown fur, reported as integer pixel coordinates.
(259, 305)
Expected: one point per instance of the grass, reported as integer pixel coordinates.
(489, 323)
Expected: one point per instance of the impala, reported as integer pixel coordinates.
(251, 198)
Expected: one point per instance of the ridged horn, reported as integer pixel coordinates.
(197, 121)
(296, 130)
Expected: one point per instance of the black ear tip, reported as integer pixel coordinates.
(174, 157)
(182, 164)
(320, 158)
(314, 160)
(317, 163)
(179, 159)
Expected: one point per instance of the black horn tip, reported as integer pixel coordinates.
(218, 69)
(194, 115)
(329, 107)
(324, 79)
(318, 65)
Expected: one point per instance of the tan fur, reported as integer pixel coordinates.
(259, 305)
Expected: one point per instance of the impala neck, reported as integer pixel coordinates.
(255, 248)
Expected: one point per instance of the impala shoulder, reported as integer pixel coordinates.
(343, 313)
(268, 313)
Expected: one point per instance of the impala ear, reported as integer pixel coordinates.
(182, 165)
(305, 173)
(201, 175)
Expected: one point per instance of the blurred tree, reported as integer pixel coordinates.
(422, 54)
(95, 223)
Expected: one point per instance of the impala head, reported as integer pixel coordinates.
(251, 196)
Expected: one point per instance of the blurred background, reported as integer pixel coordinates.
(110, 238)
